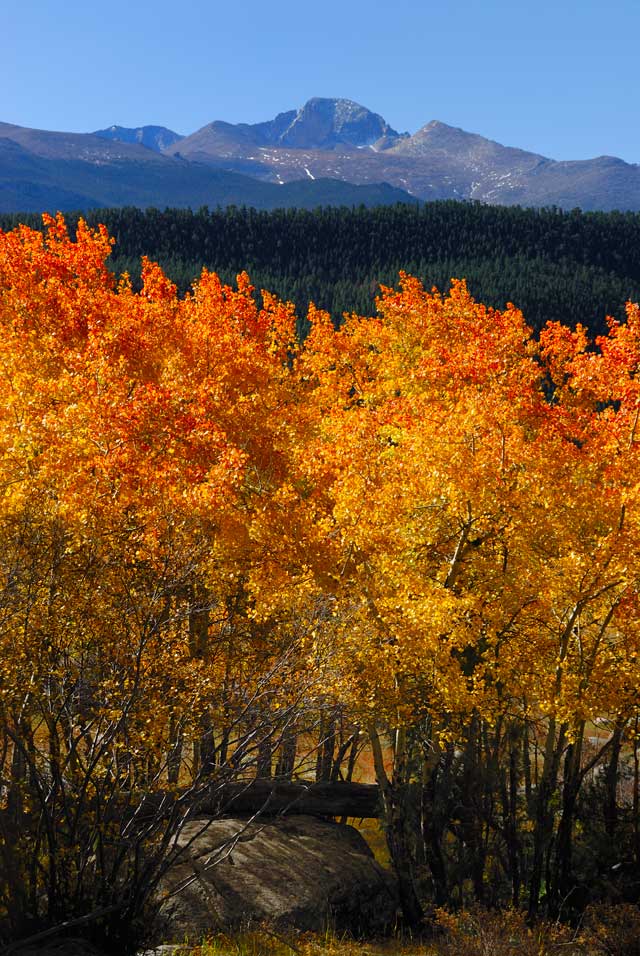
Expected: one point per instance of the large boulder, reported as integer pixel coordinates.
(288, 871)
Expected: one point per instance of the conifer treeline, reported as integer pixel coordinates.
(554, 265)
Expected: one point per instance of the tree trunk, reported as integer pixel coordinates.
(470, 823)
(207, 749)
(509, 780)
(394, 794)
(287, 760)
(433, 829)
(611, 785)
(636, 796)
(174, 759)
(264, 758)
(562, 882)
(543, 816)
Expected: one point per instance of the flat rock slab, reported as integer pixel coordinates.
(289, 871)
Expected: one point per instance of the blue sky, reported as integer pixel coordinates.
(560, 78)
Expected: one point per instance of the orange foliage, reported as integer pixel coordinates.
(468, 537)
(429, 512)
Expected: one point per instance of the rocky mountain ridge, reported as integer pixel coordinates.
(334, 140)
(157, 138)
(342, 140)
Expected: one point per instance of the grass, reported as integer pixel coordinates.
(605, 930)
(269, 943)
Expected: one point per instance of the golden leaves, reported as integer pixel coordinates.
(461, 497)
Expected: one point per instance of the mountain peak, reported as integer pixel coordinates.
(438, 124)
(323, 123)
(438, 128)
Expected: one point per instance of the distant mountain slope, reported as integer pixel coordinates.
(30, 183)
(131, 175)
(85, 147)
(157, 138)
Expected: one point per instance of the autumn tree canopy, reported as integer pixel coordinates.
(218, 542)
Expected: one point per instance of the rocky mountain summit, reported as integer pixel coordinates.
(327, 124)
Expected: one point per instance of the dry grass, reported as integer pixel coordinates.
(267, 943)
(605, 931)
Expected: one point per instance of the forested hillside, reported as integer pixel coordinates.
(553, 265)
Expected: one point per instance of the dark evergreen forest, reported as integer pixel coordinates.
(554, 265)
